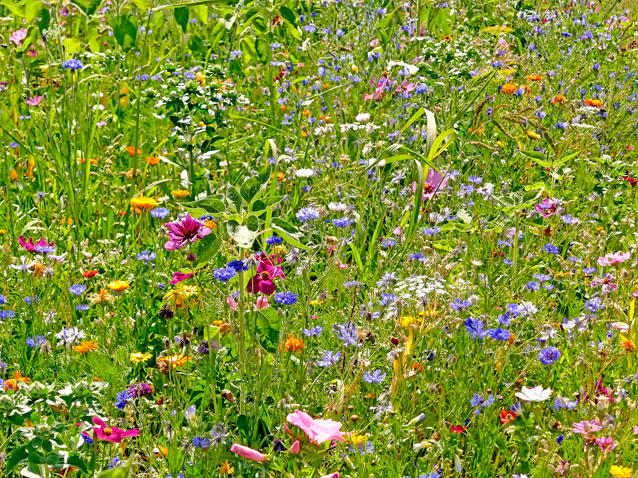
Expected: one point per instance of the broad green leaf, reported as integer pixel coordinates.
(181, 17)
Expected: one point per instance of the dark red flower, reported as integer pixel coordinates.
(457, 429)
(263, 281)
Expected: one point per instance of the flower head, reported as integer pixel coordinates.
(319, 430)
(112, 434)
(185, 231)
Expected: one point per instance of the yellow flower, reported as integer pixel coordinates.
(226, 469)
(180, 193)
(356, 439)
(85, 346)
(174, 361)
(199, 76)
(142, 202)
(139, 357)
(181, 293)
(101, 297)
(118, 285)
(533, 135)
(618, 471)
(408, 320)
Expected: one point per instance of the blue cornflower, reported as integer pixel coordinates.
(387, 298)
(36, 341)
(286, 298)
(224, 274)
(3, 299)
(551, 249)
(200, 442)
(593, 305)
(238, 265)
(7, 314)
(342, 222)
(352, 283)
(87, 439)
(589, 270)
(77, 289)
(121, 399)
(329, 359)
(474, 328)
(542, 277)
(72, 64)
(388, 242)
(430, 231)
(498, 334)
(82, 307)
(307, 214)
(29, 300)
(375, 377)
(313, 331)
(146, 256)
(347, 333)
(532, 285)
(272, 240)
(160, 212)
(549, 355)
(459, 304)
(479, 400)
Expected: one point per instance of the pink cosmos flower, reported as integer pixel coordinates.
(180, 276)
(34, 101)
(184, 231)
(248, 453)
(232, 303)
(606, 443)
(318, 431)
(263, 281)
(614, 258)
(435, 182)
(586, 427)
(548, 207)
(18, 36)
(112, 434)
(262, 302)
(42, 246)
(607, 283)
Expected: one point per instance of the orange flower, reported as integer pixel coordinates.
(507, 416)
(85, 346)
(534, 77)
(143, 202)
(91, 273)
(594, 103)
(92, 160)
(12, 383)
(161, 451)
(509, 89)
(152, 160)
(226, 469)
(131, 150)
(179, 193)
(294, 344)
(174, 361)
(14, 175)
(559, 100)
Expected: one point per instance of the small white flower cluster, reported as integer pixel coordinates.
(420, 288)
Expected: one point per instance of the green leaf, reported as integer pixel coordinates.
(288, 232)
(71, 46)
(181, 17)
(206, 249)
(196, 45)
(201, 12)
(249, 188)
(234, 198)
(268, 326)
(32, 9)
(19, 455)
(141, 4)
(288, 15)
(125, 31)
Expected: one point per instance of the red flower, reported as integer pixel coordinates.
(112, 434)
(263, 280)
(630, 180)
(507, 416)
(88, 274)
(457, 429)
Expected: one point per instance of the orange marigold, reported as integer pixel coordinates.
(12, 383)
(595, 103)
(152, 160)
(174, 361)
(509, 88)
(293, 344)
(559, 100)
(131, 150)
(85, 346)
(534, 77)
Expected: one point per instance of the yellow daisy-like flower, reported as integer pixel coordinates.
(139, 357)
(118, 285)
(174, 361)
(618, 471)
(180, 193)
(356, 439)
(408, 320)
(181, 293)
(533, 135)
(143, 202)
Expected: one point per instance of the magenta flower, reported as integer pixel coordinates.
(318, 431)
(263, 281)
(42, 246)
(606, 443)
(435, 182)
(614, 258)
(179, 277)
(586, 427)
(185, 231)
(547, 207)
(112, 434)
(34, 100)
(248, 453)
(18, 36)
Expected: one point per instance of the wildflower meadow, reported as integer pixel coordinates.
(318, 238)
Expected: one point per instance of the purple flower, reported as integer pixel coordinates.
(184, 232)
(549, 356)
(375, 377)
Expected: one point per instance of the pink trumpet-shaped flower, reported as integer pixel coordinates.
(248, 453)
(435, 182)
(318, 431)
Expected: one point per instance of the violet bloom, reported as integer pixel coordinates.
(435, 182)
(18, 36)
(34, 100)
(184, 231)
(263, 281)
(42, 246)
(547, 207)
